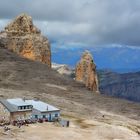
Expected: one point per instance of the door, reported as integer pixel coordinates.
(36, 116)
(50, 117)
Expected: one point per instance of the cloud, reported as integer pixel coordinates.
(3, 23)
(90, 22)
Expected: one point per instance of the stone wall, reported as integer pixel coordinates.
(20, 115)
(4, 113)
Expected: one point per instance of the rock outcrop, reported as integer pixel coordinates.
(86, 72)
(64, 69)
(23, 38)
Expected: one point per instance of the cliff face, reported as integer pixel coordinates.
(85, 72)
(125, 85)
(23, 38)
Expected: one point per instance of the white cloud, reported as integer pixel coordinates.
(3, 23)
(91, 22)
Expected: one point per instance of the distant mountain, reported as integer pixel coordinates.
(64, 69)
(125, 85)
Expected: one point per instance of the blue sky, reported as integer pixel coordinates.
(108, 28)
(115, 58)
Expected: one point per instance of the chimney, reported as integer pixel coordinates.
(24, 99)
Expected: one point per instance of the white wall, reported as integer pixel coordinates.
(47, 114)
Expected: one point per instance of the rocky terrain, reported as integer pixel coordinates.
(92, 116)
(22, 37)
(85, 72)
(125, 85)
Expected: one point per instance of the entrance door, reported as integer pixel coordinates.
(36, 116)
(50, 117)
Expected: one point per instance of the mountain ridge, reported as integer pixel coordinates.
(125, 85)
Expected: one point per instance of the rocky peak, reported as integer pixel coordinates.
(24, 38)
(21, 25)
(87, 56)
(86, 72)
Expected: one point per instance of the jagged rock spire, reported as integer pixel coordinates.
(86, 72)
(24, 38)
(22, 24)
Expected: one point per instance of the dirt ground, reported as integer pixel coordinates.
(112, 121)
(78, 130)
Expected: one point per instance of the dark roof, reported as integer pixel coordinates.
(9, 107)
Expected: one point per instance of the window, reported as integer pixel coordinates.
(29, 107)
(36, 116)
(44, 116)
(20, 107)
(56, 115)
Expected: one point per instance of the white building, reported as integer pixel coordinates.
(21, 109)
(43, 110)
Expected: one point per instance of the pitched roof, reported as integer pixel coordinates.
(13, 104)
(18, 102)
(10, 108)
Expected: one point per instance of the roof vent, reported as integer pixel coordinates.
(24, 99)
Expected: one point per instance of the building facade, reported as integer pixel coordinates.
(43, 110)
(15, 109)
